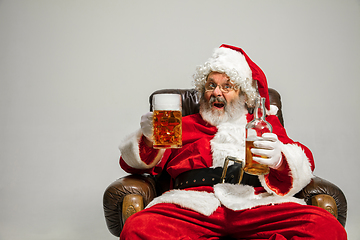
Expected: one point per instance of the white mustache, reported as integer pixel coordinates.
(217, 99)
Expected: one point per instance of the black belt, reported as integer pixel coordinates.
(212, 176)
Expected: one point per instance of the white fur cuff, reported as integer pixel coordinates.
(129, 149)
(300, 169)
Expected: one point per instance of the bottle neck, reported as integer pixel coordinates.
(260, 112)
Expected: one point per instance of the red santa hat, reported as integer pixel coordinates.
(241, 70)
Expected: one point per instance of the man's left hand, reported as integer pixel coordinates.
(269, 149)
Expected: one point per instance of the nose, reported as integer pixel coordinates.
(217, 91)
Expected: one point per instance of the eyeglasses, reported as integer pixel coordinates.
(225, 88)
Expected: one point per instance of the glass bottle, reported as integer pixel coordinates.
(254, 131)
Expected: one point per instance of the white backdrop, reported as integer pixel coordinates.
(76, 75)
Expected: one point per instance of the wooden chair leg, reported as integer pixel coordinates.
(132, 203)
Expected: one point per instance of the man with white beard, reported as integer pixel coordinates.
(198, 206)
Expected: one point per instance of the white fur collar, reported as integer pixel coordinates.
(229, 141)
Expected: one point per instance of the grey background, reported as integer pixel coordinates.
(76, 75)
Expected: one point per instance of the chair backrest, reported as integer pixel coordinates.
(191, 101)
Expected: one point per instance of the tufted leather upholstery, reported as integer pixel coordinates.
(131, 193)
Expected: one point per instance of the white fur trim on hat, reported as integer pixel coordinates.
(129, 149)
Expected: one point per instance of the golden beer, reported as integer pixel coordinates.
(167, 129)
(252, 167)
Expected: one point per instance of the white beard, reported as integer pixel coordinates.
(231, 113)
(230, 137)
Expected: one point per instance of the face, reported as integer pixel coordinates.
(220, 79)
(217, 106)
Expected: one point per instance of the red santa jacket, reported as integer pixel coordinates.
(207, 146)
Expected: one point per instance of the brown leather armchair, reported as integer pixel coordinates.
(132, 193)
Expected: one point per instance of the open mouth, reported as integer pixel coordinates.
(218, 105)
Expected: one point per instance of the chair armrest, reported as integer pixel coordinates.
(132, 203)
(326, 195)
(133, 193)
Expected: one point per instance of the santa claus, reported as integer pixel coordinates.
(198, 206)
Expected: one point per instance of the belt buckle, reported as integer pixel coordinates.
(226, 163)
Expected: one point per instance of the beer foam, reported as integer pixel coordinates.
(167, 102)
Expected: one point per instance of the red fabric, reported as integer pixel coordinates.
(196, 152)
(257, 74)
(279, 181)
(284, 221)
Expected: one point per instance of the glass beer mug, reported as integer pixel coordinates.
(167, 121)
(254, 130)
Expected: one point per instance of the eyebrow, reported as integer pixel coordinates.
(211, 79)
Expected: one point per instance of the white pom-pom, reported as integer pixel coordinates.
(273, 110)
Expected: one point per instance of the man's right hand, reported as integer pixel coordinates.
(146, 124)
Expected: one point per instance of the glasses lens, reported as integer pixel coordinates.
(210, 86)
(224, 88)
(227, 87)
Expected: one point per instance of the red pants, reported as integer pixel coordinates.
(284, 221)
